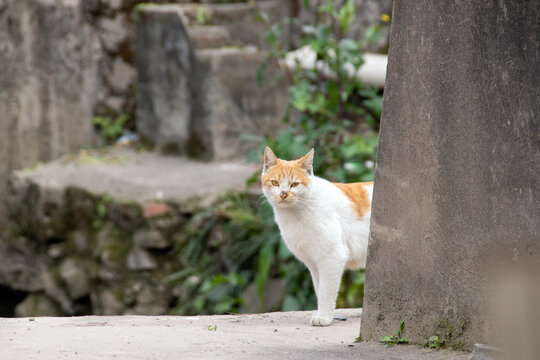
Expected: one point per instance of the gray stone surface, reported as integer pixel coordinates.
(262, 336)
(76, 279)
(204, 37)
(21, 265)
(37, 305)
(128, 175)
(139, 259)
(456, 184)
(167, 77)
(47, 82)
(235, 104)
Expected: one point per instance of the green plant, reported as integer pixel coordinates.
(397, 338)
(446, 334)
(329, 109)
(202, 16)
(434, 342)
(111, 128)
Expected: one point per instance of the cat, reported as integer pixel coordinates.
(324, 224)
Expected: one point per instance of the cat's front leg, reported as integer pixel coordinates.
(329, 280)
(314, 276)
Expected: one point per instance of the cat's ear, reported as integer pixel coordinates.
(307, 162)
(269, 159)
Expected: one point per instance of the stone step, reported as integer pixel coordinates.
(236, 103)
(241, 19)
(201, 101)
(210, 36)
(139, 177)
(97, 233)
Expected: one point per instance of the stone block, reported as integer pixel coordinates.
(140, 259)
(122, 76)
(166, 76)
(235, 103)
(76, 279)
(21, 264)
(37, 305)
(210, 37)
(113, 31)
(150, 239)
(456, 183)
(47, 83)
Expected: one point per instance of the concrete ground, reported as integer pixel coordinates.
(280, 335)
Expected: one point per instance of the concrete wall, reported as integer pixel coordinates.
(458, 175)
(47, 82)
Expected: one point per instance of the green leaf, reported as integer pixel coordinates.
(290, 304)
(264, 263)
(346, 15)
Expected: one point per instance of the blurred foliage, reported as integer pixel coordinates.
(111, 127)
(328, 110)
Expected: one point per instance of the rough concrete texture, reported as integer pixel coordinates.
(262, 336)
(456, 184)
(47, 82)
(128, 175)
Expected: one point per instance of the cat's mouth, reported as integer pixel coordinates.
(284, 202)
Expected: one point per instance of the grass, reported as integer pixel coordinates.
(397, 338)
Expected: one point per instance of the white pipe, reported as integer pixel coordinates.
(372, 72)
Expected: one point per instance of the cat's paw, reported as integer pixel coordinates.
(318, 320)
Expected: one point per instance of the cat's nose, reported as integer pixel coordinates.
(283, 195)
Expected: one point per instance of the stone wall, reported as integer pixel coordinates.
(48, 82)
(72, 252)
(457, 180)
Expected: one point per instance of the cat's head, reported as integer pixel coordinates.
(286, 183)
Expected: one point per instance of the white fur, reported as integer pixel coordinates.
(323, 230)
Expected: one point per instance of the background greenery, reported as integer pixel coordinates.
(237, 245)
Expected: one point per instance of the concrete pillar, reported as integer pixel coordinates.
(48, 81)
(457, 184)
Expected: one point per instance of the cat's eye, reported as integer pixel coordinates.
(295, 184)
(275, 183)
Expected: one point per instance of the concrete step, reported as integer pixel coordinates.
(201, 101)
(278, 335)
(130, 176)
(240, 19)
(210, 36)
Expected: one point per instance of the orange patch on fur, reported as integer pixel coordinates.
(283, 169)
(359, 196)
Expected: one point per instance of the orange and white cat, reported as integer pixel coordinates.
(324, 224)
